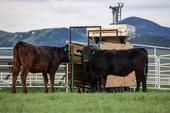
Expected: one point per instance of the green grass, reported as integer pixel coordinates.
(150, 102)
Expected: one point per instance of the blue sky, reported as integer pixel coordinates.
(25, 15)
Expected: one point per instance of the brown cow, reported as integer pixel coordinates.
(36, 59)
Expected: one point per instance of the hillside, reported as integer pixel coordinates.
(147, 32)
(147, 27)
(49, 37)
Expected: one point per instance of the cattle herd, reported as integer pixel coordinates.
(96, 64)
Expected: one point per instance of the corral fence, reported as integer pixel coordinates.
(159, 67)
(158, 73)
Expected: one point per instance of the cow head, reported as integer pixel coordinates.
(65, 53)
(87, 52)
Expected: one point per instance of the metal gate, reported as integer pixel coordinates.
(159, 67)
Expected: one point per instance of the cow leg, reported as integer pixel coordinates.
(144, 83)
(137, 82)
(52, 77)
(104, 83)
(93, 83)
(45, 82)
(138, 85)
(99, 84)
(14, 77)
(85, 75)
(93, 80)
(24, 74)
(83, 84)
(144, 86)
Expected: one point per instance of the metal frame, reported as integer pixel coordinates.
(72, 52)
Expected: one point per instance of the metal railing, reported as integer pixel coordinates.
(159, 67)
(36, 79)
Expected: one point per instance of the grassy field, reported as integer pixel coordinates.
(150, 102)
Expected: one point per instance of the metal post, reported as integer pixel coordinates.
(36, 78)
(67, 87)
(100, 37)
(158, 60)
(156, 68)
(1, 75)
(30, 80)
(70, 51)
(88, 38)
(72, 67)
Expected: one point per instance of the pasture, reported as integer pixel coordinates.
(150, 102)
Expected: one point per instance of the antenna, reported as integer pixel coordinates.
(117, 12)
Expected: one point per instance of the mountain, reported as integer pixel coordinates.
(3, 33)
(147, 32)
(46, 37)
(147, 27)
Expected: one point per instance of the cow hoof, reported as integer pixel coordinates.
(25, 91)
(13, 91)
(137, 90)
(144, 90)
(45, 91)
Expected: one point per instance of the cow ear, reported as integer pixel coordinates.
(66, 48)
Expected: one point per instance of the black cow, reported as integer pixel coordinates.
(36, 59)
(85, 65)
(115, 62)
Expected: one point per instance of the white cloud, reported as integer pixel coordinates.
(23, 15)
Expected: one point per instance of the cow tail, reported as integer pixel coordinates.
(146, 65)
(15, 57)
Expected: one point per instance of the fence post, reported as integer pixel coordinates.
(36, 78)
(158, 63)
(30, 80)
(1, 75)
(156, 69)
(66, 82)
(72, 68)
(157, 72)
